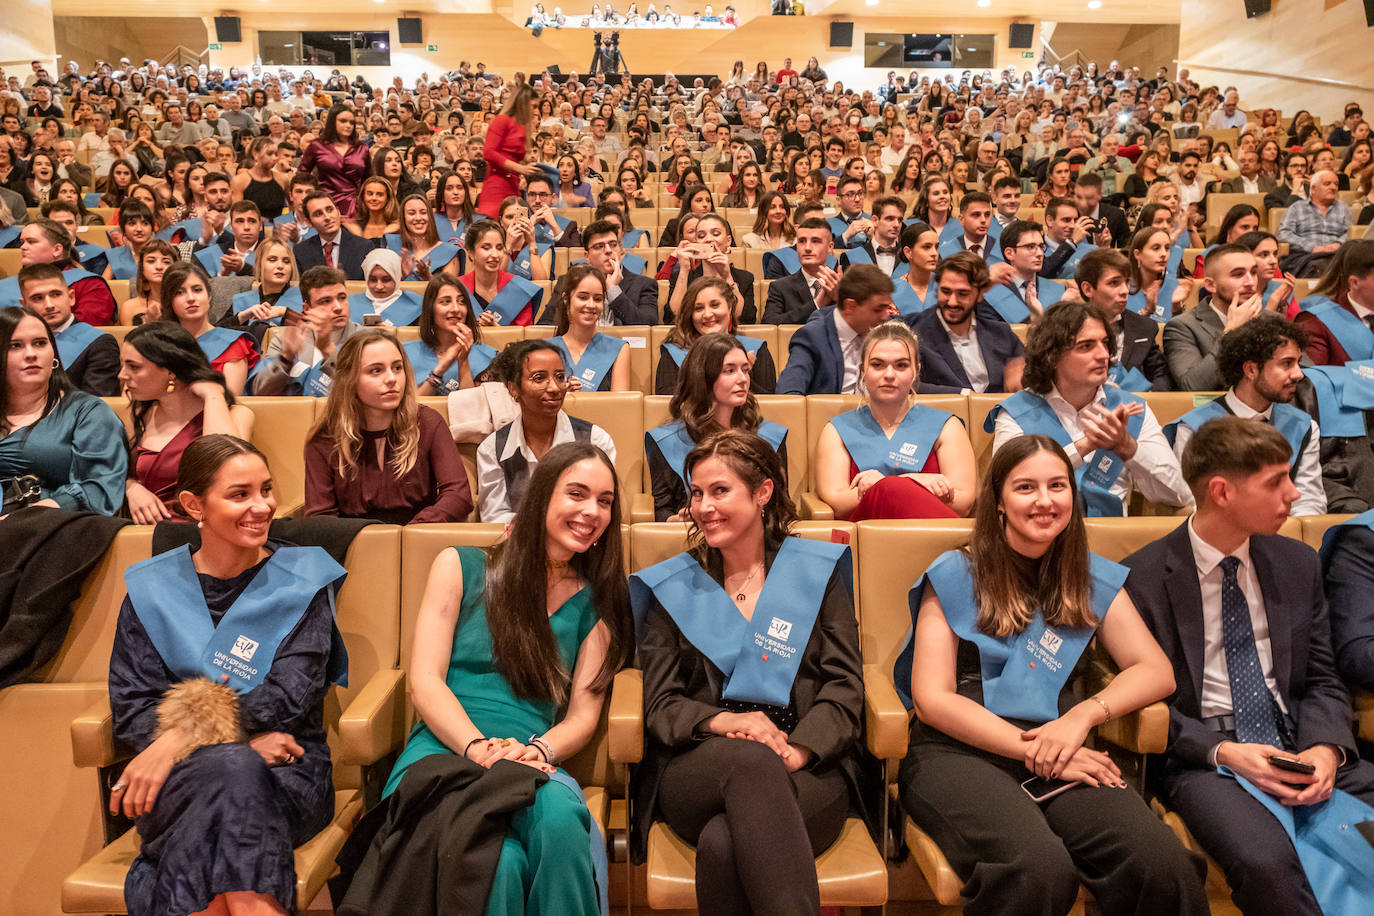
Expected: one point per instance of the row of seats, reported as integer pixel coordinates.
(282, 426)
(367, 721)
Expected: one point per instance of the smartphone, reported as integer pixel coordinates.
(1291, 764)
(291, 317)
(1042, 790)
(371, 321)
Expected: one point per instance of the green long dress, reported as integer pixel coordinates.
(546, 864)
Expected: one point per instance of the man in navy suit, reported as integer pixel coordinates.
(796, 297)
(975, 218)
(884, 246)
(965, 345)
(825, 354)
(1241, 613)
(332, 245)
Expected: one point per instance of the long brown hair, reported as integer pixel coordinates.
(694, 402)
(522, 642)
(571, 280)
(1006, 601)
(429, 329)
(343, 421)
(755, 461)
(684, 332)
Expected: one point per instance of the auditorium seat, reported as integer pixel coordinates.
(979, 406)
(637, 337)
(1168, 406)
(501, 337)
(621, 415)
(851, 872)
(365, 722)
(785, 332)
(10, 261)
(821, 407)
(1219, 204)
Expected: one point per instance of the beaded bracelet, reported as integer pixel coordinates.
(543, 747)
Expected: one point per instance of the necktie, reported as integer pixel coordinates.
(1256, 713)
(815, 286)
(891, 251)
(976, 250)
(1369, 320)
(329, 254)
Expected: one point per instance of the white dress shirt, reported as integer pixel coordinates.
(493, 499)
(1311, 494)
(1249, 185)
(1153, 470)
(1216, 682)
(851, 348)
(970, 356)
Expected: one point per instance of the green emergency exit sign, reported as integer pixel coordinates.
(216, 46)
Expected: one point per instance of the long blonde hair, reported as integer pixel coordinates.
(342, 418)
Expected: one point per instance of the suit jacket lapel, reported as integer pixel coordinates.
(1279, 616)
(1185, 604)
(993, 365)
(832, 344)
(940, 343)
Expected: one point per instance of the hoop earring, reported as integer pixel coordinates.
(56, 363)
(171, 384)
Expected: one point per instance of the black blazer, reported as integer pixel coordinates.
(1349, 583)
(940, 364)
(1139, 350)
(1116, 222)
(682, 691)
(1164, 586)
(789, 301)
(349, 257)
(96, 370)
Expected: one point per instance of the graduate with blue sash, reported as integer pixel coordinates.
(515, 296)
(666, 448)
(449, 231)
(906, 452)
(593, 369)
(1293, 422)
(520, 260)
(9, 286)
(122, 263)
(780, 262)
(289, 298)
(992, 252)
(1164, 299)
(1354, 336)
(838, 227)
(678, 354)
(1013, 309)
(424, 361)
(401, 311)
(1099, 471)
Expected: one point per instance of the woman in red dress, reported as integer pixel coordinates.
(505, 149)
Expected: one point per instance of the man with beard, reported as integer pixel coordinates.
(964, 344)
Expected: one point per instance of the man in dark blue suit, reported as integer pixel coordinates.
(1348, 554)
(332, 245)
(965, 345)
(1241, 614)
(825, 354)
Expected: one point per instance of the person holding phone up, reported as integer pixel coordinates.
(300, 360)
(997, 772)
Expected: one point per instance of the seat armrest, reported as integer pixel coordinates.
(886, 724)
(1364, 713)
(625, 720)
(641, 508)
(1145, 731)
(93, 743)
(810, 505)
(373, 725)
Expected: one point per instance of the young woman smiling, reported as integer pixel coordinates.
(709, 306)
(186, 300)
(594, 361)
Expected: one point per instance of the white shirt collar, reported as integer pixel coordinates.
(1209, 558)
(972, 325)
(71, 320)
(516, 440)
(1360, 311)
(1244, 410)
(1055, 398)
(969, 243)
(845, 332)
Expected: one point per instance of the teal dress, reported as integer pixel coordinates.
(546, 862)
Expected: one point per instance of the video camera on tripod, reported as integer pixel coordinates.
(606, 56)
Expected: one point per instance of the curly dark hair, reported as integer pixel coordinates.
(1053, 336)
(1256, 342)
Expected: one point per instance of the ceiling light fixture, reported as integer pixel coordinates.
(1094, 4)
(985, 3)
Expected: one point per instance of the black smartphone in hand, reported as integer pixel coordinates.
(1291, 764)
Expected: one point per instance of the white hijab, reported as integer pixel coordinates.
(389, 261)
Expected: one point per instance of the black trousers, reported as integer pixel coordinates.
(1248, 843)
(756, 827)
(1018, 857)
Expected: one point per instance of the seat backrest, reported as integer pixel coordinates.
(368, 616)
(502, 337)
(621, 415)
(979, 406)
(1168, 406)
(785, 332)
(637, 338)
(1314, 528)
(1117, 538)
(281, 427)
(893, 555)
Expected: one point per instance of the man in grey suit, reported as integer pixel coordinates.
(1191, 339)
(68, 167)
(1249, 181)
(18, 208)
(300, 360)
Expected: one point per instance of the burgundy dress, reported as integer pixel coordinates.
(900, 497)
(505, 144)
(158, 470)
(340, 176)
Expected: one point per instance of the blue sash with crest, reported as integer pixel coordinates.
(312, 378)
(905, 453)
(216, 340)
(423, 360)
(94, 258)
(72, 342)
(1128, 379)
(513, 297)
(165, 594)
(838, 227)
(121, 263)
(904, 297)
(1164, 299)
(674, 444)
(404, 312)
(750, 344)
(450, 231)
(1354, 336)
(760, 657)
(1292, 422)
(1100, 470)
(290, 299)
(596, 361)
(1013, 309)
(1022, 675)
(520, 261)
(1344, 393)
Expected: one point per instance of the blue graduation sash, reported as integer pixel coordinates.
(760, 657)
(216, 340)
(308, 233)
(94, 258)
(838, 227)
(1099, 471)
(631, 239)
(1350, 332)
(1292, 422)
(992, 252)
(674, 443)
(1070, 267)
(1128, 379)
(165, 594)
(513, 297)
(9, 234)
(1269, 289)
(790, 261)
(72, 342)
(9, 286)
(633, 263)
(520, 260)
(190, 227)
(750, 344)
(121, 263)
(392, 241)
(1335, 532)
(1344, 393)
(404, 312)
(209, 258)
(91, 199)
(951, 230)
(450, 231)
(1022, 675)
(905, 453)
(311, 376)
(904, 297)
(544, 235)
(857, 256)
(290, 298)
(596, 360)
(1013, 309)
(1337, 860)
(423, 360)
(1164, 299)
(440, 255)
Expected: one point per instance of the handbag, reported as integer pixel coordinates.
(20, 492)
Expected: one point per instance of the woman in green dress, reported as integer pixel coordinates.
(525, 683)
